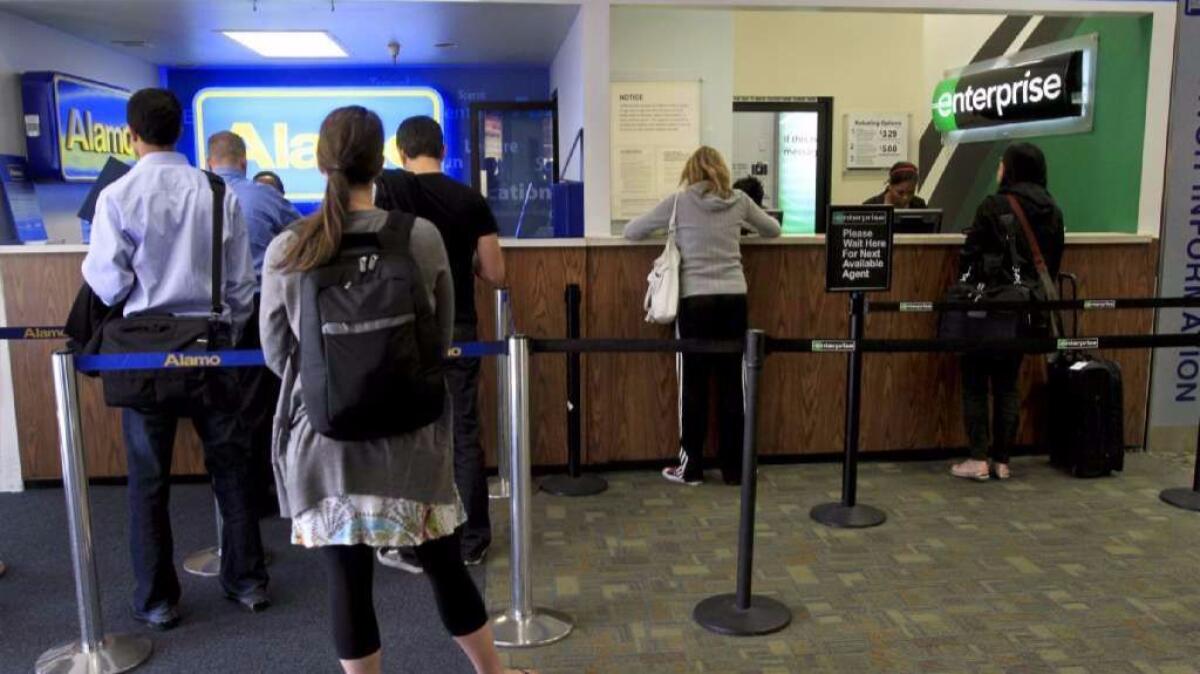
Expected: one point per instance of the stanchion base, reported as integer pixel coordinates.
(848, 517)
(498, 490)
(205, 563)
(720, 614)
(539, 627)
(117, 653)
(1182, 498)
(565, 485)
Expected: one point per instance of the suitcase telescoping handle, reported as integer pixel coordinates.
(1068, 280)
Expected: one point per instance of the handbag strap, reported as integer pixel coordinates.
(218, 241)
(674, 215)
(1039, 261)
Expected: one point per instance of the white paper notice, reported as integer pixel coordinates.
(655, 128)
(875, 141)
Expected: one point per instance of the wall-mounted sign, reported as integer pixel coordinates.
(281, 124)
(20, 215)
(876, 141)
(1036, 92)
(655, 129)
(799, 149)
(73, 126)
(858, 248)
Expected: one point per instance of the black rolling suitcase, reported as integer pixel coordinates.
(1087, 415)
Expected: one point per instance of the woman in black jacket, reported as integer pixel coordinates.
(986, 257)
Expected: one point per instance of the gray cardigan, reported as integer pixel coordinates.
(707, 231)
(310, 467)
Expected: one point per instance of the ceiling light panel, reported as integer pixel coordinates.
(289, 44)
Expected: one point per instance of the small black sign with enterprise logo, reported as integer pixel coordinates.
(858, 248)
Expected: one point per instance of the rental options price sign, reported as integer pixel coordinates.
(858, 248)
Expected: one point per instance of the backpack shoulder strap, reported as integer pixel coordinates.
(218, 241)
(397, 232)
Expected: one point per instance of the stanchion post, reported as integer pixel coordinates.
(206, 563)
(501, 489)
(574, 483)
(523, 625)
(742, 613)
(849, 513)
(1182, 497)
(95, 652)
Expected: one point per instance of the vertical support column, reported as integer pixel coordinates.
(523, 625)
(501, 489)
(95, 652)
(742, 613)
(849, 513)
(574, 483)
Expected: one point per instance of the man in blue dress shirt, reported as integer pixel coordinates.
(151, 248)
(267, 213)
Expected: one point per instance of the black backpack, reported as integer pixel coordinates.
(370, 344)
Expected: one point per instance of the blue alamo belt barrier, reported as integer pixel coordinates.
(33, 332)
(235, 358)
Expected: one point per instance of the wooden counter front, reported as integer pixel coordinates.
(910, 401)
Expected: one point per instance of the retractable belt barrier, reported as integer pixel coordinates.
(32, 332)
(918, 307)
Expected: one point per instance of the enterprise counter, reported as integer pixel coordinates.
(910, 401)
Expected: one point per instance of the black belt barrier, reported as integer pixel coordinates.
(919, 307)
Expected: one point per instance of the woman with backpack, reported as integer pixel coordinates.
(376, 486)
(986, 258)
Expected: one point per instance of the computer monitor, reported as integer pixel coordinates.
(917, 221)
(778, 215)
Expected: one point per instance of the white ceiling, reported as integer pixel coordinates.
(184, 32)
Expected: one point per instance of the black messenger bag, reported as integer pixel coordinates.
(185, 390)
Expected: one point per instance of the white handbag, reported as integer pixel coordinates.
(662, 295)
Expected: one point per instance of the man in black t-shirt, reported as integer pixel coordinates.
(469, 232)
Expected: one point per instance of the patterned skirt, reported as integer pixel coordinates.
(375, 521)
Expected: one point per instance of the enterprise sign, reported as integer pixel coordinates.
(1048, 90)
(73, 126)
(281, 125)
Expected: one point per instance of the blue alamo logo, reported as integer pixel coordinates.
(183, 360)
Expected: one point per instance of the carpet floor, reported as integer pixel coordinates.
(37, 596)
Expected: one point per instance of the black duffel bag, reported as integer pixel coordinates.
(187, 389)
(987, 323)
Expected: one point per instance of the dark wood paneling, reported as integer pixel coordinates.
(538, 278)
(630, 401)
(38, 290)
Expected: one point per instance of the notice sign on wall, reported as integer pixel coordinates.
(858, 248)
(655, 128)
(875, 141)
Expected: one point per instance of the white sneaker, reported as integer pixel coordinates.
(399, 558)
(675, 474)
(971, 470)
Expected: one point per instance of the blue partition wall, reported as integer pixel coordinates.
(459, 86)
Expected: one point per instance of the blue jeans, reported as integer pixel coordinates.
(149, 444)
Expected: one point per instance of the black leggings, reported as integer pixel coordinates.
(351, 572)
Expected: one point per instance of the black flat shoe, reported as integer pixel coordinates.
(254, 601)
(160, 619)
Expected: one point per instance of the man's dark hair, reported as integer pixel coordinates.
(420, 137)
(753, 188)
(155, 116)
(276, 181)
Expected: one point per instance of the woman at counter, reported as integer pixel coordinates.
(712, 304)
(986, 258)
(900, 190)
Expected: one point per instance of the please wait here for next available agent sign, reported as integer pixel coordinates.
(858, 248)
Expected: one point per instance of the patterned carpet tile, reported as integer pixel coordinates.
(1040, 574)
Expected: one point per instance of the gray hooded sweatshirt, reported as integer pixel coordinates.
(707, 231)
